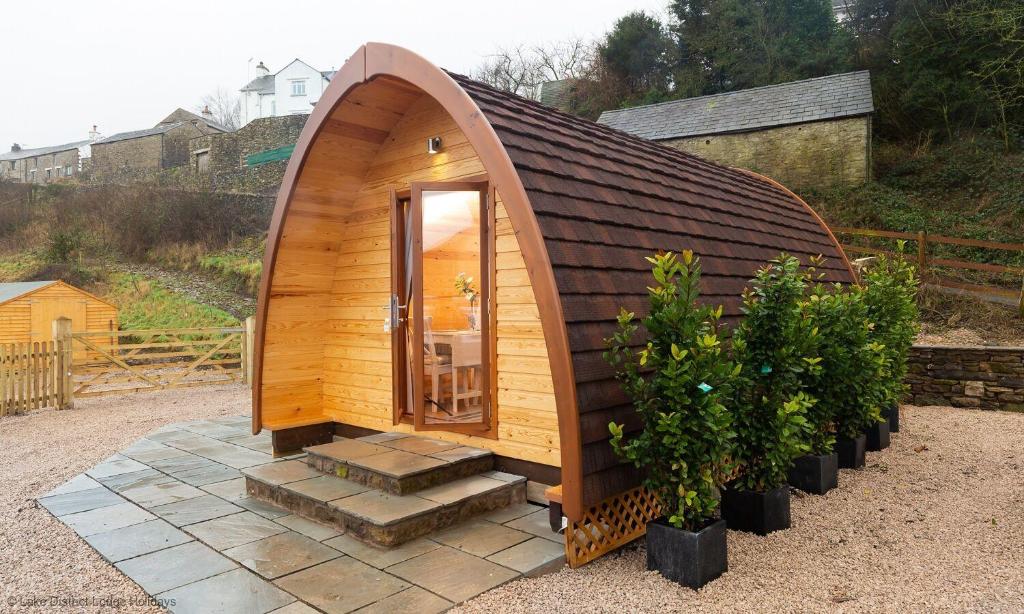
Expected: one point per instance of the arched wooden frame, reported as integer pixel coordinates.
(377, 59)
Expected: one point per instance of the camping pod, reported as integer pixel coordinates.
(448, 258)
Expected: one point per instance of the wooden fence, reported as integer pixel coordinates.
(936, 270)
(33, 375)
(95, 363)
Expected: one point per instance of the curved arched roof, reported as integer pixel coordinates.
(588, 204)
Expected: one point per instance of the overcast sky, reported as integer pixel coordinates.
(124, 65)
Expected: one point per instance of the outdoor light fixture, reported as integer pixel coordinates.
(433, 145)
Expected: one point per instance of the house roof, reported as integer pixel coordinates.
(41, 151)
(265, 84)
(180, 114)
(136, 134)
(830, 97)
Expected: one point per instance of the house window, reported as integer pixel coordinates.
(299, 87)
(12, 164)
(48, 172)
(67, 170)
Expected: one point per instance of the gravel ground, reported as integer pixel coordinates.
(934, 523)
(39, 556)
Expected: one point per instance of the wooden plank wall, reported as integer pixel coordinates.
(16, 316)
(357, 385)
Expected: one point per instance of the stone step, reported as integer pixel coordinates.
(375, 516)
(398, 464)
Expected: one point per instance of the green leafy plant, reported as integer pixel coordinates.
(850, 383)
(678, 383)
(775, 344)
(890, 294)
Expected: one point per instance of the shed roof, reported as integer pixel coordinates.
(137, 134)
(13, 290)
(830, 97)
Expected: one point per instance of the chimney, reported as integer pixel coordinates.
(93, 134)
(262, 70)
(15, 147)
(207, 113)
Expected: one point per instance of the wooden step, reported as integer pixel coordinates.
(378, 517)
(398, 464)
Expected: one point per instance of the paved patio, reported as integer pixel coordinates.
(171, 512)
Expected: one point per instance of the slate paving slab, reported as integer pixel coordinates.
(136, 540)
(115, 465)
(106, 519)
(538, 524)
(191, 511)
(480, 537)
(181, 463)
(296, 608)
(213, 430)
(382, 437)
(231, 455)
(173, 567)
(413, 600)
(80, 501)
(449, 493)
(234, 591)
(135, 479)
(282, 554)
(510, 513)
(420, 445)
(536, 555)
(309, 528)
(382, 509)
(381, 558)
(79, 482)
(234, 530)
(154, 454)
(171, 434)
(155, 495)
(452, 574)
(283, 472)
(322, 585)
(326, 488)
(397, 463)
(231, 490)
(262, 508)
(258, 443)
(347, 449)
(460, 453)
(208, 474)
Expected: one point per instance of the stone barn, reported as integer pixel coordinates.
(810, 133)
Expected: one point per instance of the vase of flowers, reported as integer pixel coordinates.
(464, 285)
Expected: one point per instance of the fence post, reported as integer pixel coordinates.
(62, 335)
(248, 341)
(922, 252)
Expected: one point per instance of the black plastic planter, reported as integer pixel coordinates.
(690, 558)
(893, 413)
(816, 474)
(756, 512)
(851, 452)
(877, 436)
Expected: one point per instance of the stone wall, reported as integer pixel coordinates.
(126, 159)
(57, 162)
(815, 154)
(983, 377)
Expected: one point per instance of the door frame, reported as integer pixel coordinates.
(487, 427)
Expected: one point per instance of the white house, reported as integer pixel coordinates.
(290, 91)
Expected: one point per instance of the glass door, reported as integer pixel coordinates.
(443, 299)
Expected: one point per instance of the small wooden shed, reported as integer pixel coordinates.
(28, 309)
(447, 257)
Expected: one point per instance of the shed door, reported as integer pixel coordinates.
(45, 311)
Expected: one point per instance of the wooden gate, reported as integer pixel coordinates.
(32, 376)
(117, 362)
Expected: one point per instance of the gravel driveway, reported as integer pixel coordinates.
(39, 556)
(934, 523)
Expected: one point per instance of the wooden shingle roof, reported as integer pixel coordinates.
(604, 200)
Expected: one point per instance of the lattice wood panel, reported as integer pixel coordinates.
(610, 524)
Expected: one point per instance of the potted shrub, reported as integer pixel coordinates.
(850, 382)
(678, 382)
(890, 293)
(774, 345)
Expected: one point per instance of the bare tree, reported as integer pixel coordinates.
(225, 106)
(522, 69)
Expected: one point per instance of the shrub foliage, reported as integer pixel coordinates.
(890, 294)
(679, 383)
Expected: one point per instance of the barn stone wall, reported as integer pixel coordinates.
(982, 377)
(815, 154)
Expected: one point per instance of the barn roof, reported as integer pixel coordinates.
(604, 200)
(830, 97)
(41, 151)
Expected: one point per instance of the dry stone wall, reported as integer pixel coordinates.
(982, 377)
